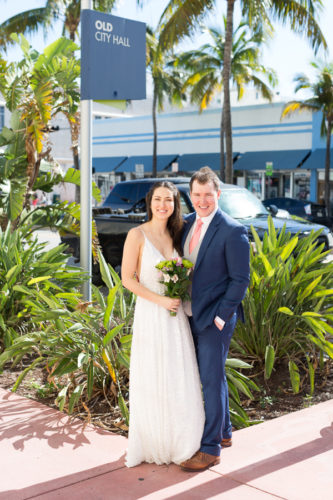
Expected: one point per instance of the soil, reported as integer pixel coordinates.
(274, 400)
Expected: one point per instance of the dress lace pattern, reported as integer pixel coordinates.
(166, 407)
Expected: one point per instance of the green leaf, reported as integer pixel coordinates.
(75, 396)
(61, 398)
(110, 303)
(289, 248)
(26, 371)
(73, 176)
(286, 310)
(82, 359)
(237, 363)
(38, 280)
(105, 272)
(123, 409)
(294, 376)
(311, 375)
(269, 360)
(127, 339)
(112, 334)
(90, 381)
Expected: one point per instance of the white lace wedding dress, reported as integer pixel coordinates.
(166, 407)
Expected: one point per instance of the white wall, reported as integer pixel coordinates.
(255, 128)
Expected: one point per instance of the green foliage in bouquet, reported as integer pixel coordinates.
(175, 276)
(288, 306)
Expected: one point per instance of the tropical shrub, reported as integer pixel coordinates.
(28, 270)
(35, 90)
(86, 347)
(288, 305)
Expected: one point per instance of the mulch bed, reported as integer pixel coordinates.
(275, 399)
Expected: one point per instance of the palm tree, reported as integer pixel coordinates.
(205, 67)
(35, 89)
(181, 17)
(30, 21)
(320, 100)
(166, 83)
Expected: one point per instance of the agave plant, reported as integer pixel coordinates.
(288, 306)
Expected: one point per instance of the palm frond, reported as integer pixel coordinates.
(301, 17)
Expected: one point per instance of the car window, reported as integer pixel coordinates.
(123, 193)
(143, 189)
(241, 204)
(183, 205)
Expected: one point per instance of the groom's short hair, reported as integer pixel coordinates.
(204, 175)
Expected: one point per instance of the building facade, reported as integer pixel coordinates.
(272, 157)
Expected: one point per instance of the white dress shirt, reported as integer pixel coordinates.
(206, 221)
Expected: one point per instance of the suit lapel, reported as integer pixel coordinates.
(208, 237)
(187, 226)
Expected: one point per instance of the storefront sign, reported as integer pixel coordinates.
(269, 168)
(113, 57)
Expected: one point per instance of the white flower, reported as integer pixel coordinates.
(166, 278)
(174, 278)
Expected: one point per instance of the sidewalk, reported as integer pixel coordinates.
(46, 455)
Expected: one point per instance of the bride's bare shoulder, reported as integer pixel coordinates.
(136, 234)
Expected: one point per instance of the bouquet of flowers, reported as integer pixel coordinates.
(175, 276)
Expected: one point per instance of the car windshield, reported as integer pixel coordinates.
(241, 204)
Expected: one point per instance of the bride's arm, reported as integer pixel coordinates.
(129, 268)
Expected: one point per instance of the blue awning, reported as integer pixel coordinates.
(282, 160)
(193, 162)
(163, 161)
(107, 164)
(317, 159)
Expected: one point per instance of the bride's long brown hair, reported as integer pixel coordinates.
(175, 221)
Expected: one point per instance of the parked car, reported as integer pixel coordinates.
(113, 224)
(309, 210)
(126, 194)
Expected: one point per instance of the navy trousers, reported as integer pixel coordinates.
(212, 346)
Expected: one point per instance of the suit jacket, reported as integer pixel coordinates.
(222, 270)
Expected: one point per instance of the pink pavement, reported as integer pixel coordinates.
(46, 455)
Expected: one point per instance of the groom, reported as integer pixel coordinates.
(219, 248)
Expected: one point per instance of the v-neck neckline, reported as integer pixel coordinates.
(157, 250)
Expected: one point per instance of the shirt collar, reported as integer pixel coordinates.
(207, 220)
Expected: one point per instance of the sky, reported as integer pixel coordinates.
(288, 54)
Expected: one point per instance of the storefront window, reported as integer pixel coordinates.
(253, 183)
(302, 186)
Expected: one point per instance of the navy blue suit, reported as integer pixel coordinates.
(220, 279)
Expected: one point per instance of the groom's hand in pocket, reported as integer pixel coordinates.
(219, 323)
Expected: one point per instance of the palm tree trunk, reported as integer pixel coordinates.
(327, 167)
(154, 173)
(226, 91)
(222, 163)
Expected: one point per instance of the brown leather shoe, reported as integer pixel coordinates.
(226, 443)
(199, 462)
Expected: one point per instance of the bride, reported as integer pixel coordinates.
(166, 407)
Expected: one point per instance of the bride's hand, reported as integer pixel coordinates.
(170, 304)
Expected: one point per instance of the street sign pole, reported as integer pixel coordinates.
(86, 182)
(113, 67)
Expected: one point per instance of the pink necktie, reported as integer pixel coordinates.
(196, 235)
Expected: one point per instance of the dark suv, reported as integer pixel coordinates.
(307, 209)
(126, 194)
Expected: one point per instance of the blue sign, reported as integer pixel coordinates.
(113, 57)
